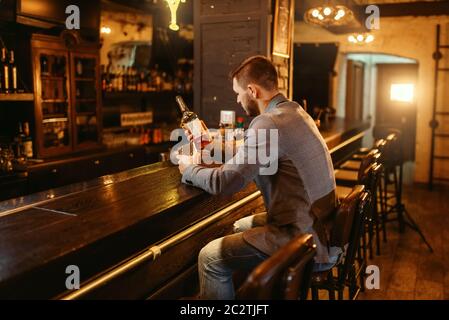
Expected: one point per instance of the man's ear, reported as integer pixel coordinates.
(253, 91)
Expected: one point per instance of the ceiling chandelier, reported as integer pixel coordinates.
(361, 38)
(173, 5)
(329, 14)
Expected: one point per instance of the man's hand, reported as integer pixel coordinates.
(189, 134)
(185, 161)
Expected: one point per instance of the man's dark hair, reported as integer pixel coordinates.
(257, 69)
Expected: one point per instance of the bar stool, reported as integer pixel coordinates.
(285, 275)
(346, 179)
(389, 178)
(350, 177)
(353, 163)
(345, 233)
(370, 178)
(393, 177)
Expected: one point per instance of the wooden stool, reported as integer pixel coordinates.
(346, 233)
(285, 275)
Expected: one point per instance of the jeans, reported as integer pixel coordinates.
(218, 260)
(334, 257)
(261, 219)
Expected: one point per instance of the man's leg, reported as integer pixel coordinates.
(256, 220)
(219, 259)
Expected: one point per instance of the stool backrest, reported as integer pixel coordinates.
(348, 224)
(370, 176)
(284, 275)
(369, 159)
(393, 149)
(392, 153)
(380, 144)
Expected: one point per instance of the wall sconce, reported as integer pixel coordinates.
(173, 5)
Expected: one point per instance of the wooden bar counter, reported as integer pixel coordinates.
(136, 233)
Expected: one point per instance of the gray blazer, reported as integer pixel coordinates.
(298, 196)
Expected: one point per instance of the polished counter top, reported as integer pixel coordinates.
(335, 132)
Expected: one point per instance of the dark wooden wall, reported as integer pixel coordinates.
(226, 32)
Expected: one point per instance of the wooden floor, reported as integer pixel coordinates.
(408, 270)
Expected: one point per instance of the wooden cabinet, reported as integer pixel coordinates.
(52, 175)
(12, 186)
(67, 94)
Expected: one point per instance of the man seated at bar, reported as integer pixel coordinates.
(297, 183)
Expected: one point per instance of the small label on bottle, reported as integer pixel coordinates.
(201, 136)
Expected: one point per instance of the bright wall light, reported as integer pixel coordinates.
(402, 92)
(105, 30)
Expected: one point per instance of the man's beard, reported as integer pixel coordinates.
(252, 109)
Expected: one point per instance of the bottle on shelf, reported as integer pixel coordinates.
(44, 65)
(103, 78)
(142, 136)
(135, 79)
(191, 122)
(13, 72)
(79, 68)
(126, 79)
(19, 142)
(157, 135)
(120, 79)
(1, 76)
(4, 72)
(27, 141)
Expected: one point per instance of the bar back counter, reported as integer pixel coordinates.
(132, 235)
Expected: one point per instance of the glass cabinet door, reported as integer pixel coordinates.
(85, 99)
(53, 102)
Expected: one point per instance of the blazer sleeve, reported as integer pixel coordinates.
(258, 155)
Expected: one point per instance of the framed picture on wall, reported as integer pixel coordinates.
(282, 33)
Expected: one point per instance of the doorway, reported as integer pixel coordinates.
(396, 102)
(354, 90)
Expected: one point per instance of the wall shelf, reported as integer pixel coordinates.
(16, 96)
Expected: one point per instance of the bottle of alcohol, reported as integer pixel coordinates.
(121, 79)
(127, 79)
(44, 65)
(103, 78)
(79, 68)
(18, 140)
(13, 72)
(4, 71)
(1, 77)
(27, 141)
(191, 122)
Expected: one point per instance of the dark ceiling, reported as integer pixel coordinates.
(388, 8)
